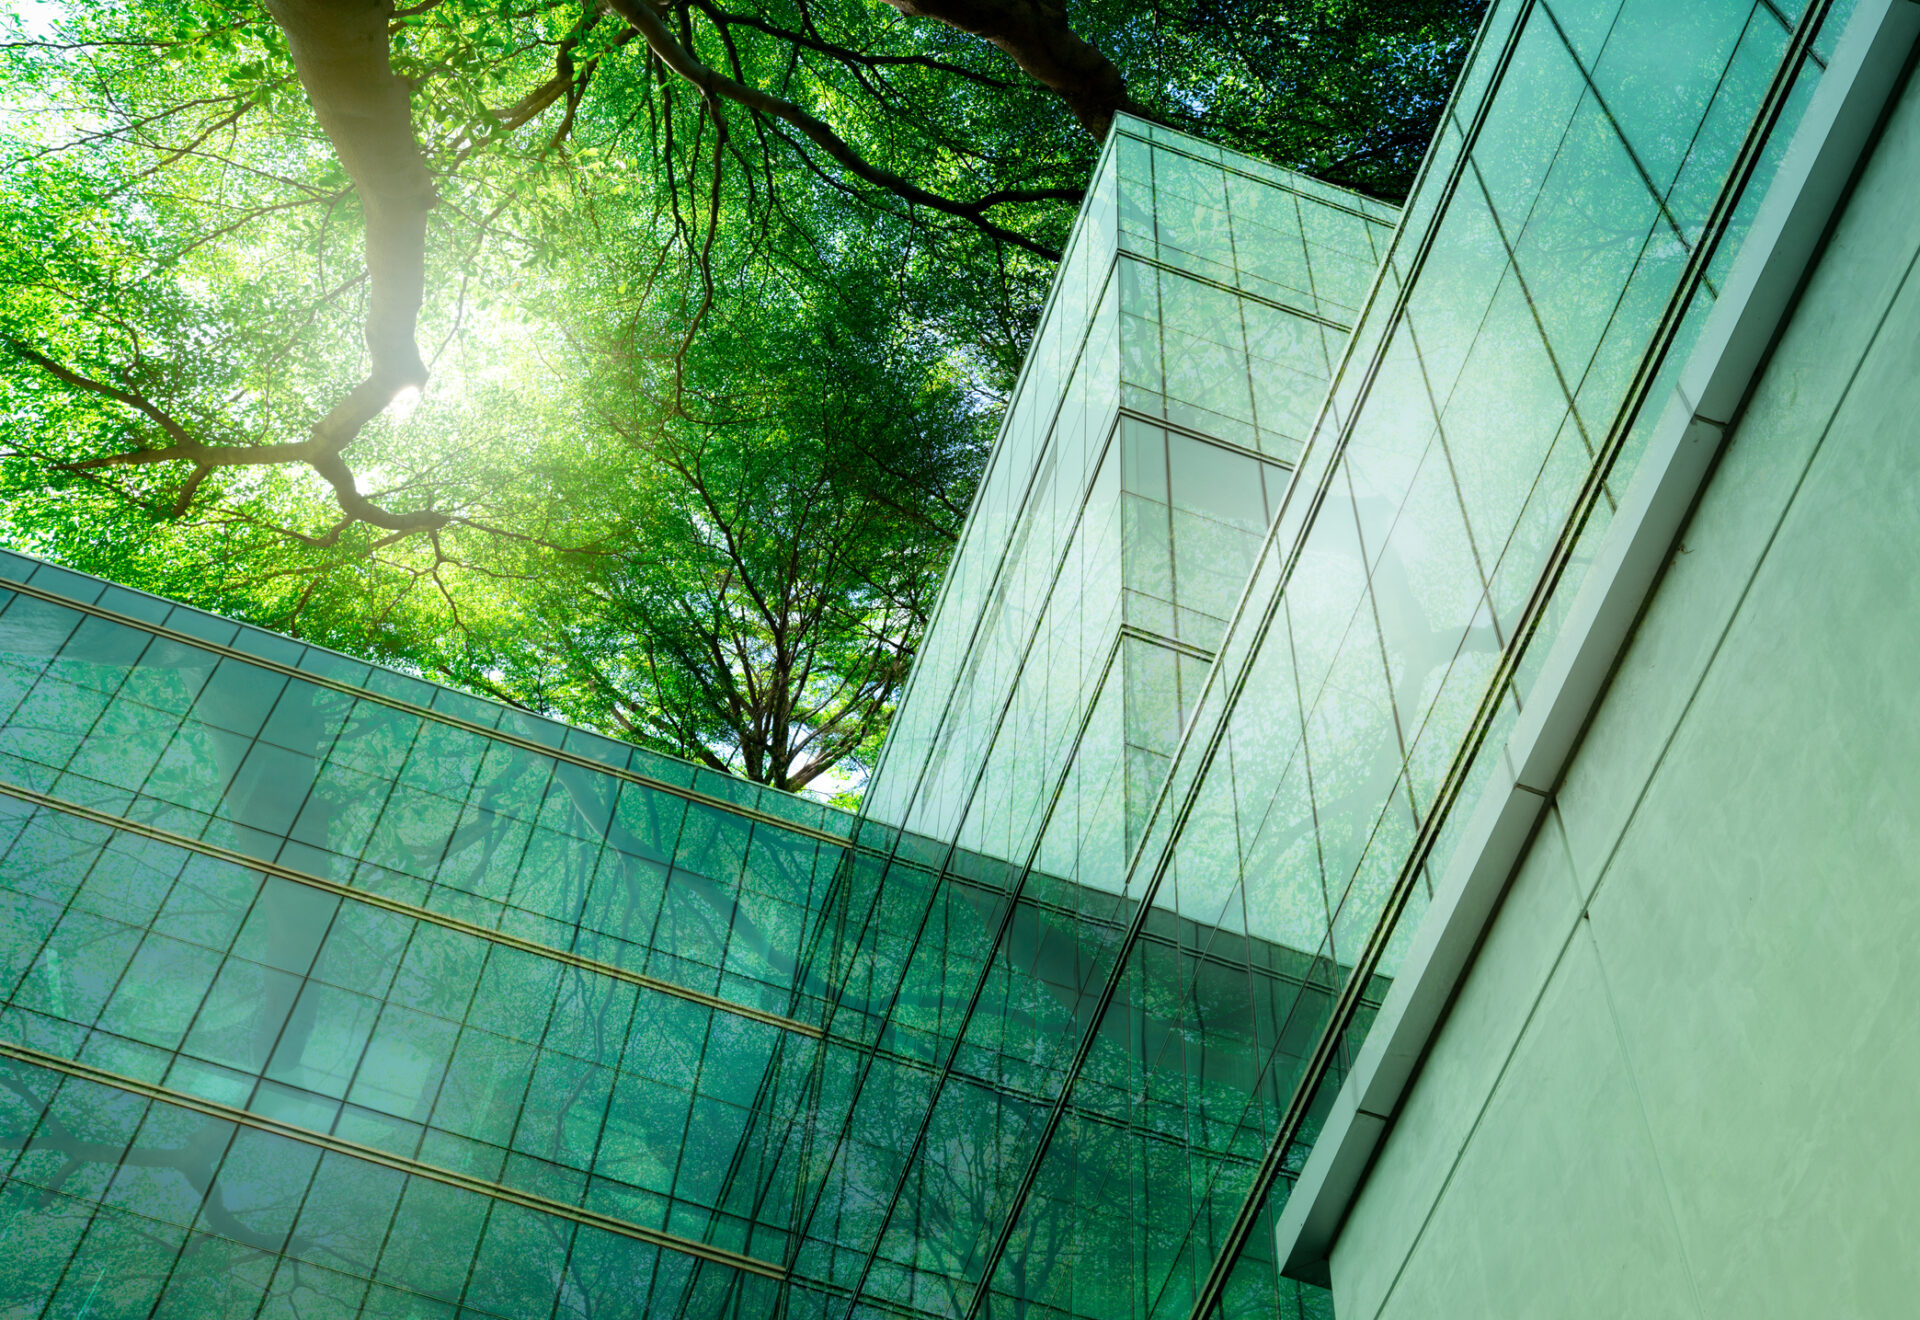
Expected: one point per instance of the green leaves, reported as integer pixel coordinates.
(704, 409)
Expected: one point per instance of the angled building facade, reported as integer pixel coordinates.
(1292, 886)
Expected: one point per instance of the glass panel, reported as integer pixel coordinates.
(1029, 1053)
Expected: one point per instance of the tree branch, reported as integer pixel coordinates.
(713, 84)
(316, 451)
(845, 55)
(340, 51)
(1036, 34)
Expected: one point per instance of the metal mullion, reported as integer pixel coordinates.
(1573, 394)
(679, 1160)
(764, 1109)
(1188, 649)
(1510, 245)
(600, 1133)
(399, 1163)
(804, 969)
(261, 1079)
(1166, 523)
(1633, 156)
(1316, 316)
(1159, 325)
(873, 1049)
(215, 1169)
(1197, 954)
(1264, 981)
(107, 705)
(671, 864)
(426, 1123)
(1181, 428)
(1144, 1131)
(1240, 313)
(1487, 575)
(566, 1268)
(62, 771)
(1574, 413)
(540, 1051)
(95, 1207)
(1026, 512)
(739, 888)
(1266, 1067)
(1586, 372)
(46, 945)
(251, 863)
(1306, 261)
(952, 847)
(437, 886)
(1008, 913)
(393, 1214)
(473, 1259)
(1177, 150)
(1108, 152)
(299, 1213)
(1310, 702)
(1692, 279)
(1317, 497)
(1467, 165)
(1146, 937)
(323, 763)
(423, 712)
(40, 1119)
(1370, 598)
(306, 976)
(763, 1106)
(1423, 242)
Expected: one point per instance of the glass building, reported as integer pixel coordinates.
(330, 992)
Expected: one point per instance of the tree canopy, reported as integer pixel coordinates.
(631, 361)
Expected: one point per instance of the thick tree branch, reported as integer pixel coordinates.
(1036, 34)
(340, 51)
(183, 446)
(844, 54)
(568, 80)
(139, 402)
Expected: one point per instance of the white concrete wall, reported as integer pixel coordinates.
(1682, 1077)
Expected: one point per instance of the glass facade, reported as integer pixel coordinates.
(331, 988)
(1188, 341)
(1588, 190)
(325, 991)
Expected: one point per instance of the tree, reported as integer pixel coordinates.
(758, 611)
(580, 237)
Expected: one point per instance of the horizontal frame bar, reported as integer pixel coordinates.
(159, 835)
(424, 712)
(400, 1163)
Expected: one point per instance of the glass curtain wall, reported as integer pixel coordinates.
(1184, 353)
(1203, 291)
(1587, 194)
(330, 992)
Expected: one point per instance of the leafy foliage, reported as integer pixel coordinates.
(712, 367)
